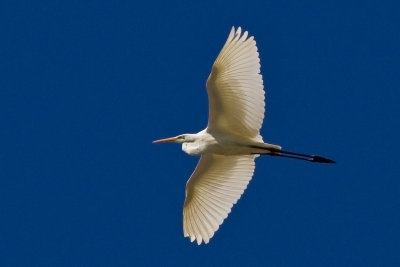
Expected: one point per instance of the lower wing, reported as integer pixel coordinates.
(214, 187)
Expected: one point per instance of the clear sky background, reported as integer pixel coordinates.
(86, 86)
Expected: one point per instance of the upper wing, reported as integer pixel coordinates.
(214, 187)
(235, 88)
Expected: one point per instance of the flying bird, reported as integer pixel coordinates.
(231, 141)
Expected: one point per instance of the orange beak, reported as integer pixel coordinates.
(166, 140)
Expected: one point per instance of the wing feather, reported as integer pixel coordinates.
(235, 88)
(214, 187)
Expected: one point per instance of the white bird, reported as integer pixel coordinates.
(231, 141)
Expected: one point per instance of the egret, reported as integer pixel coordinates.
(231, 141)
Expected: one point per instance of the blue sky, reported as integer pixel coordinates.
(87, 85)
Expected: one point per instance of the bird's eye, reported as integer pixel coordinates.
(182, 137)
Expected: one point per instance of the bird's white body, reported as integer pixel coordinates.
(231, 141)
(222, 144)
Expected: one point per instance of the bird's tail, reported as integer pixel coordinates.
(265, 148)
(275, 150)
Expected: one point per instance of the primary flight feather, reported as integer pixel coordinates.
(231, 141)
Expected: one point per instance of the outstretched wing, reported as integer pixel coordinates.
(214, 187)
(235, 88)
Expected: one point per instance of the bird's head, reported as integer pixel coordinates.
(180, 139)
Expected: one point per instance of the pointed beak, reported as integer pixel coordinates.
(166, 140)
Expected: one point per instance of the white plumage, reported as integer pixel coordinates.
(231, 141)
(212, 190)
(236, 106)
(235, 88)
